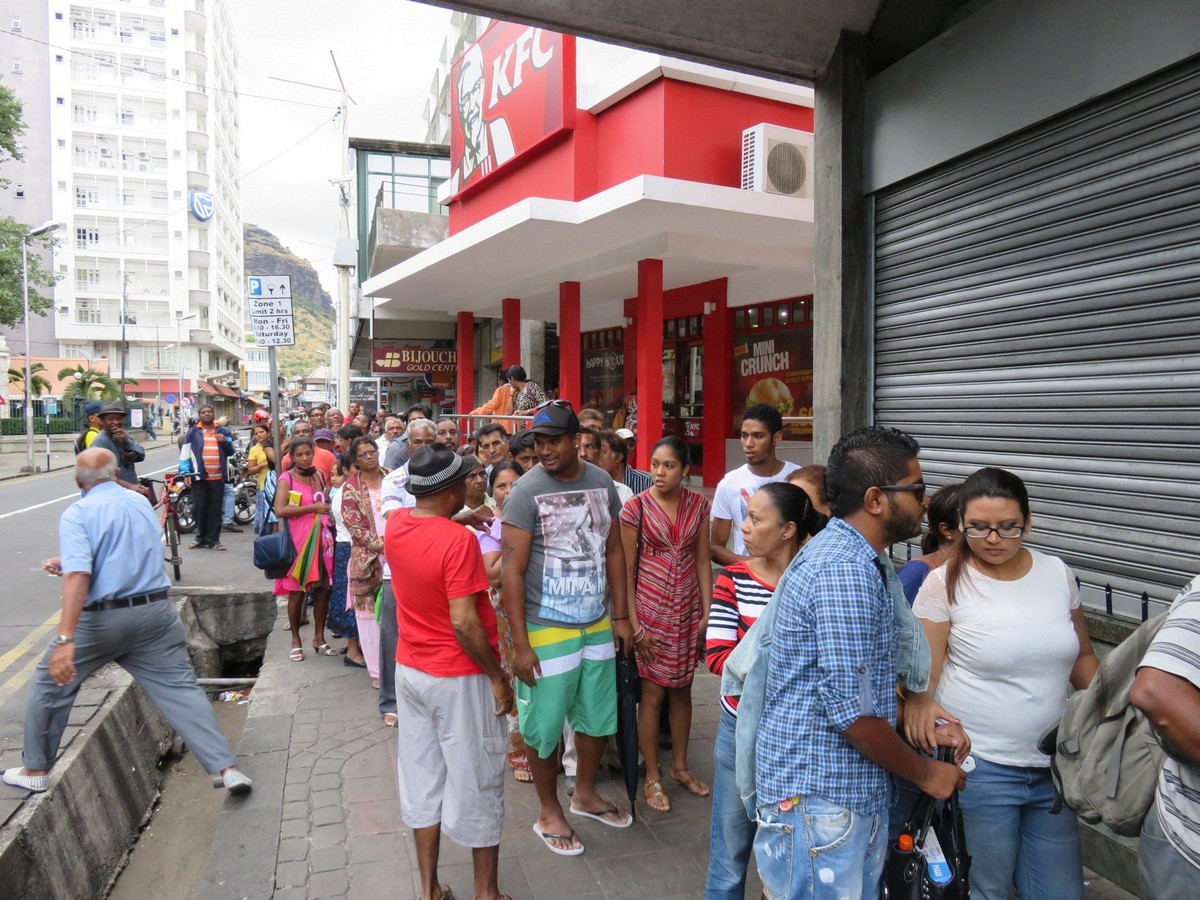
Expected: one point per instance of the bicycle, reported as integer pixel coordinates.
(172, 483)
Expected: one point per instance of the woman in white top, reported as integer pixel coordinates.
(1008, 636)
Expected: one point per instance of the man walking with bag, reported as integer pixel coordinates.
(115, 608)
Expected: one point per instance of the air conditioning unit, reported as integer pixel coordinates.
(105, 151)
(143, 155)
(777, 160)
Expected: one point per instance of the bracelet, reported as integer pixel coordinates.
(620, 618)
(639, 634)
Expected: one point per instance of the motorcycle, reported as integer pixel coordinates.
(181, 500)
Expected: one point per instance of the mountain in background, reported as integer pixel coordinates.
(311, 303)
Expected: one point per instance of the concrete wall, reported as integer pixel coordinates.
(1012, 64)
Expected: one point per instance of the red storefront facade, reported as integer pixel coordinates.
(674, 290)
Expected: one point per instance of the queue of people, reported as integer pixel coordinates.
(544, 554)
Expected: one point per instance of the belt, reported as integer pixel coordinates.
(123, 602)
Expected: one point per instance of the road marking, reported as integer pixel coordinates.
(18, 651)
(74, 496)
(15, 683)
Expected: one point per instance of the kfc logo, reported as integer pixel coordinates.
(510, 92)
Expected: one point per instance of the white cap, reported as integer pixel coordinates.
(626, 434)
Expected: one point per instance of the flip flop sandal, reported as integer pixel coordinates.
(599, 815)
(446, 893)
(325, 650)
(296, 655)
(391, 720)
(197, 546)
(547, 837)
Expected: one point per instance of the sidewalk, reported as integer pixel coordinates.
(11, 464)
(324, 818)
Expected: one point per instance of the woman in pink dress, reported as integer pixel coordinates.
(305, 484)
(665, 533)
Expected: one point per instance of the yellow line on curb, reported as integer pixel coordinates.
(28, 641)
(14, 684)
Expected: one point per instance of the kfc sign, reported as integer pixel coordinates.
(412, 360)
(513, 89)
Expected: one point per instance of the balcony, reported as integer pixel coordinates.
(398, 234)
(195, 59)
(197, 179)
(197, 140)
(197, 100)
(199, 258)
(199, 296)
(195, 20)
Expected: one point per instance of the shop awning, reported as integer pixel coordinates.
(218, 390)
(156, 387)
(763, 243)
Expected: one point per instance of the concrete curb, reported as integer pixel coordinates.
(72, 840)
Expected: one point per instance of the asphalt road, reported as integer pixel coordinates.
(30, 599)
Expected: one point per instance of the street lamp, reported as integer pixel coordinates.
(179, 320)
(44, 228)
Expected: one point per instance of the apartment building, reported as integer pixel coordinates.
(132, 147)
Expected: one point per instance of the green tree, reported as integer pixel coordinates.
(13, 232)
(37, 384)
(90, 385)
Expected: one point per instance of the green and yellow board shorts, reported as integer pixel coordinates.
(578, 685)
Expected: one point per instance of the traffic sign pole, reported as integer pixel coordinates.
(275, 409)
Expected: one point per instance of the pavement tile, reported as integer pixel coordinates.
(378, 787)
(300, 893)
(387, 847)
(328, 835)
(328, 815)
(327, 766)
(326, 859)
(297, 809)
(372, 880)
(293, 850)
(321, 799)
(328, 884)
(301, 759)
(328, 782)
(291, 874)
(298, 775)
(296, 793)
(294, 828)
(553, 877)
(375, 817)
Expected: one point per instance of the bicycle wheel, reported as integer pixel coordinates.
(243, 504)
(184, 510)
(173, 542)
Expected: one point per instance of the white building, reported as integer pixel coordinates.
(142, 113)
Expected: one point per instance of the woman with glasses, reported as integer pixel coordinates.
(363, 514)
(1008, 638)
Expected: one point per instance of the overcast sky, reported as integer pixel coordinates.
(387, 53)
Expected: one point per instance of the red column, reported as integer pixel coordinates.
(465, 379)
(649, 357)
(570, 344)
(718, 394)
(511, 311)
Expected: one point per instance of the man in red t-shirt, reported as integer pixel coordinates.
(452, 697)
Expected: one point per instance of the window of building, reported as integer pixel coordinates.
(17, 66)
(20, 190)
(16, 23)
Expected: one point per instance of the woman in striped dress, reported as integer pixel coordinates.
(779, 520)
(665, 531)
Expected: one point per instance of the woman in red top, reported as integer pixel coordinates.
(665, 529)
(779, 520)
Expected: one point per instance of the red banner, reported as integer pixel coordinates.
(392, 360)
(774, 366)
(511, 90)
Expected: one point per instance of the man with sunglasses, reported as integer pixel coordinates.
(826, 739)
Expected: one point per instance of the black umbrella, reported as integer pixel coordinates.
(629, 691)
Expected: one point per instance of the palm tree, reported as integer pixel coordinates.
(90, 385)
(37, 384)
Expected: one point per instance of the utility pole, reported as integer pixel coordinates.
(345, 195)
(124, 318)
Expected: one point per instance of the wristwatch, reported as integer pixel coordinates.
(61, 639)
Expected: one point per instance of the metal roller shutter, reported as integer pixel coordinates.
(1036, 308)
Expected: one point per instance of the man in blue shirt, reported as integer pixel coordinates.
(827, 737)
(115, 609)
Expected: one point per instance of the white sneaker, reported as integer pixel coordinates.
(234, 782)
(34, 783)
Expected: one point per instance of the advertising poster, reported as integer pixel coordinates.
(774, 366)
(511, 90)
(603, 379)
(388, 359)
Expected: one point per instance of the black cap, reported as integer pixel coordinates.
(555, 417)
(434, 468)
(111, 406)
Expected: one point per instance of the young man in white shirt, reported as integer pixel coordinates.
(761, 432)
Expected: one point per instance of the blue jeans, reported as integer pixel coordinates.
(732, 837)
(1014, 840)
(821, 850)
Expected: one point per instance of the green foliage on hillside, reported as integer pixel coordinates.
(311, 303)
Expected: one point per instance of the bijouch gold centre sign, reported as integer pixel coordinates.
(391, 360)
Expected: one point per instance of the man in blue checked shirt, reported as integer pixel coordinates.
(827, 737)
